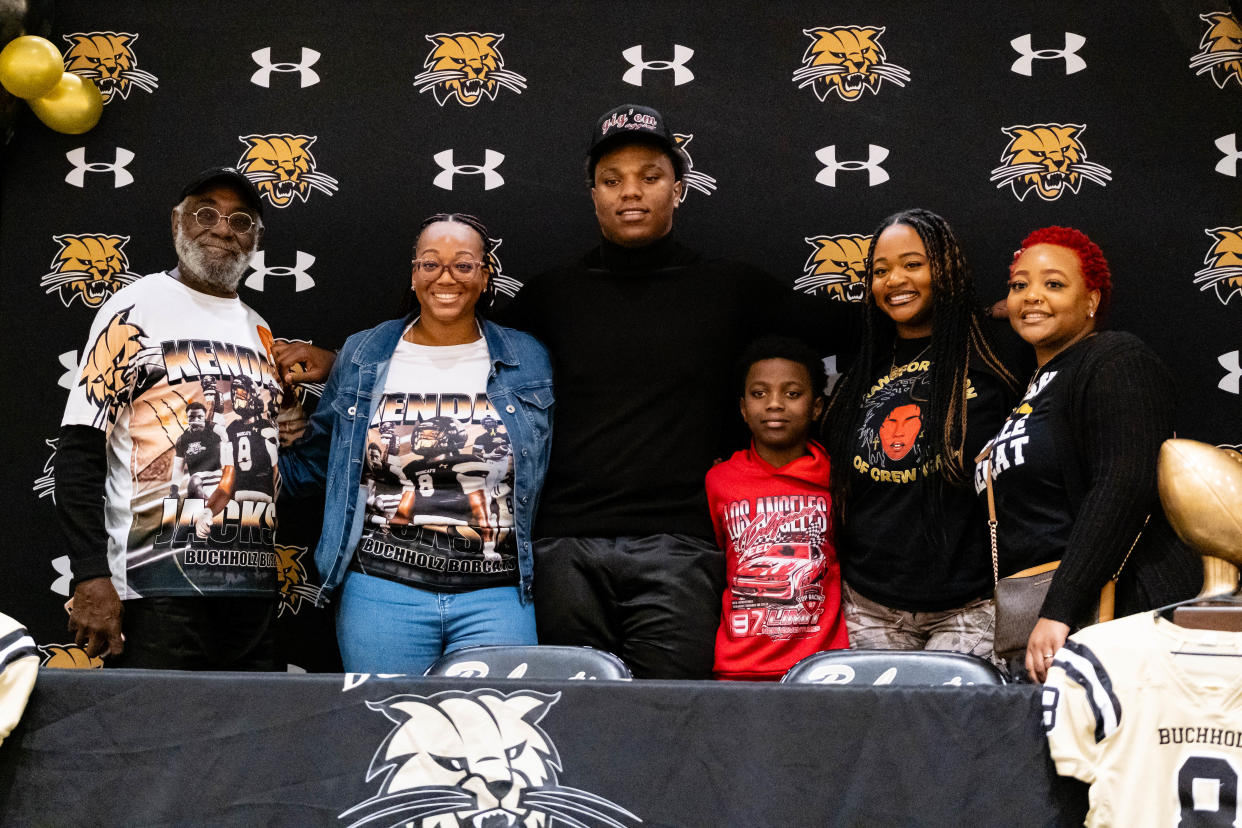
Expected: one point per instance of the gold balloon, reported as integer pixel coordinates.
(1201, 489)
(72, 107)
(30, 66)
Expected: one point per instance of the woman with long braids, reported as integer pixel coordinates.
(903, 426)
(430, 442)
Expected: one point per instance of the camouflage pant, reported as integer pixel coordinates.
(874, 626)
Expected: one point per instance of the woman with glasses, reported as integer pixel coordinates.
(430, 442)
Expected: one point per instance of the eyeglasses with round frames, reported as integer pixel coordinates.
(209, 217)
(462, 270)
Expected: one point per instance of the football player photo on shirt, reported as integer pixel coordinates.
(439, 482)
(200, 479)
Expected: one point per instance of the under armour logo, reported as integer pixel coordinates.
(828, 157)
(263, 75)
(301, 279)
(681, 56)
(491, 178)
(64, 574)
(1228, 144)
(1231, 382)
(120, 176)
(68, 361)
(1025, 64)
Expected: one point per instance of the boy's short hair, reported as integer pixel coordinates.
(782, 347)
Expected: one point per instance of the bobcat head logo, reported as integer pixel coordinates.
(837, 267)
(1047, 158)
(88, 266)
(291, 574)
(475, 759)
(1220, 49)
(692, 179)
(847, 61)
(1224, 263)
(109, 370)
(68, 656)
(108, 59)
(282, 167)
(466, 66)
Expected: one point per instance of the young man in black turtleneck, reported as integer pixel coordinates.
(643, 333)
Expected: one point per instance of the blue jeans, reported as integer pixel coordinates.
(386, 627)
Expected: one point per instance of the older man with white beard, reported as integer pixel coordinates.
(195, 579)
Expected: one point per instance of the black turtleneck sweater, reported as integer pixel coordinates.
(643, 344)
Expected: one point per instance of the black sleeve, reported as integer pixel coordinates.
(81, 470)
(1125, 415)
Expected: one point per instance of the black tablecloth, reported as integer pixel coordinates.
(116, 747)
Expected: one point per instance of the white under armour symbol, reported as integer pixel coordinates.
(1231, 382)
(681, 56)
(120, 175)
(491, 178)
(301, 279)
(263, 75)
(1025, 64)
(828, 157)
(64, 572)
(68, 361)
(1228, 144)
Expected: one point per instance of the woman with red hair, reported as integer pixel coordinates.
(1074, 466)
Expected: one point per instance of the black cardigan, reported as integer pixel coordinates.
(1122, 405)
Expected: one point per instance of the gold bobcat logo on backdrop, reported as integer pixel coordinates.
(282, 167)
(837, 267)
(466, 66)
(1220, 49)
(291, 573)
(847, 61)
(108, 59)
(88, 266)
(692, 179)
(1047, 158)
(67, 656)
(474, 758)
(1224, 264)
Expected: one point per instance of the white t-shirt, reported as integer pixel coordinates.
(176, 379)
(439, 474)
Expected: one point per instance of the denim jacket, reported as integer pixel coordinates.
(330, 455)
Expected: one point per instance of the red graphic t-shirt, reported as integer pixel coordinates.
(783, 597)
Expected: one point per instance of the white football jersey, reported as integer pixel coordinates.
(1150, 715)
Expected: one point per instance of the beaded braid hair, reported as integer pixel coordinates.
(491, 267)
(957, 338)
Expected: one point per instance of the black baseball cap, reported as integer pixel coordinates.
(227, 175)
(632, 123)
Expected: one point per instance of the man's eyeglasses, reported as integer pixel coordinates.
(209, 217)
(462, 270)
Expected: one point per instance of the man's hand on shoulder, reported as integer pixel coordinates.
(302, 361)
(95, 618)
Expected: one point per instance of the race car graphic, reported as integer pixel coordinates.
(784, 573)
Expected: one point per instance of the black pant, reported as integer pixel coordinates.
(654, 601)
(192, 633)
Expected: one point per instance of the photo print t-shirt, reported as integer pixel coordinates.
(182, 385)
(885, 553)
(439, 475)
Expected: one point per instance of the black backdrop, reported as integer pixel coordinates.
(1117, 83)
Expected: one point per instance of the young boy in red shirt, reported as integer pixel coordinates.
(772, 514)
